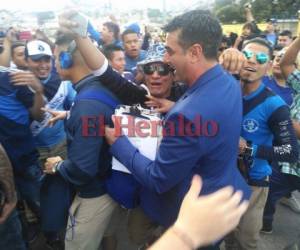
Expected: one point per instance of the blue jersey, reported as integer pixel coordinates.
(272, 38)
(88, 159)
(267, 125)
(286, 93)
(131, 63)
(59, 95)
(15, 134)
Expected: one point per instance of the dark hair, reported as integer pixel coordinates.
(286, 33)
(110, 49)
(277, 47)
(232, 37)
(198, 26)
(252, 27)
(114, 28)
(16, 45)
(126, 32)
(224, 39)
(67, 40)
(261, 41)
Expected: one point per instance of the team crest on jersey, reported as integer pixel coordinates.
(250, 125)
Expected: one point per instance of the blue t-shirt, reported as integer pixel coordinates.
(272, 38)
(132, 62)
(258, 108)
(60, 95)
(15, 135)
(286, 93)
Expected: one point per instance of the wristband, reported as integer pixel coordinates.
(185, 238)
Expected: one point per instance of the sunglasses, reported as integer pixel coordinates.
(261, 57)
(161, 69)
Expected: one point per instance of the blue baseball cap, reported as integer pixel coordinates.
(134, 27)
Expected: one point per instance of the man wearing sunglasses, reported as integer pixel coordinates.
(159, 76)
(267, 136)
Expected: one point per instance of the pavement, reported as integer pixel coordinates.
(286, 229)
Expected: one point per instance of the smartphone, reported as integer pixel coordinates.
(82, 24)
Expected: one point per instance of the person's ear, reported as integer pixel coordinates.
(269, 66)
(195, 53)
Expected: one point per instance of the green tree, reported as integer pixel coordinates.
(222, 3)
(226, 10)
(230, 13)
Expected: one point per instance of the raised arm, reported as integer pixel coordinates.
(127, 92)
(248, 14)
(90, 53)
(5, 56)
(287, 63)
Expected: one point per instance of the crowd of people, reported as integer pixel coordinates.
(228, 109)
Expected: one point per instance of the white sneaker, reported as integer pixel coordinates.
(292, 203)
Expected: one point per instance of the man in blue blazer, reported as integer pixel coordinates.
(201, 131)
(214, 96)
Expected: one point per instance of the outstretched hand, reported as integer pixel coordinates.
(161, 105)
(56, 116)
(66, 25)
(208, 218)
(232, 60)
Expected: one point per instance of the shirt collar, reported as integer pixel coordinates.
(255, 93)
(45, 81)
(205, 78)
(82, 83)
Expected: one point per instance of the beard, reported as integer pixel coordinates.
(246, 81)
(245, 77)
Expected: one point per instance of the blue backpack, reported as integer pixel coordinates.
(122, 187)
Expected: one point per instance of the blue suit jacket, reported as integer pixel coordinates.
(216, 99)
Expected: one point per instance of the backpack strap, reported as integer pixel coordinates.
(100, 96)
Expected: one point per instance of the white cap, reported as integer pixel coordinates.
(37, 49)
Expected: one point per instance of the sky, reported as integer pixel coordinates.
(43, 5)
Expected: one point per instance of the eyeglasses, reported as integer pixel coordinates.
(261, 57)
(161, 69)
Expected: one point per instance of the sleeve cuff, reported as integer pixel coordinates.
(102, 70)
